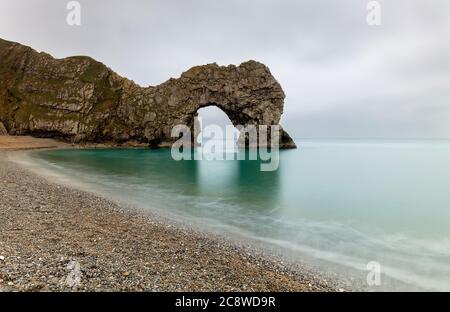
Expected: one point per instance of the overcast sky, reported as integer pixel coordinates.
(342, 77)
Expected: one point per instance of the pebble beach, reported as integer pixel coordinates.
(55, 237)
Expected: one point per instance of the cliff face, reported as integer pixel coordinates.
(3, 129)
(78, 99)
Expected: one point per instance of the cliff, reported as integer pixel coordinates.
(78, 99)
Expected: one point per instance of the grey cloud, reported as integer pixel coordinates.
(340, 76)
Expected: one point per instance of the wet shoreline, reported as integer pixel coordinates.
(48, 230)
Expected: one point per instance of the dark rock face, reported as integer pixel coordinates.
(3, 129)
(78, 99)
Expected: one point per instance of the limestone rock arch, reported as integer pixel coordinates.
(78, 99)
(248, 94)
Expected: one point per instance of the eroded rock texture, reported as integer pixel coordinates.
(78, 99)
(3, 129)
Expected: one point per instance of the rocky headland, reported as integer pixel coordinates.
(80, 100)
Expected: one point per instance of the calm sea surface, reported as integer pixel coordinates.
(345, 202)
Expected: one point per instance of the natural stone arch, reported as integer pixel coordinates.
(248, 94)
(81, 100)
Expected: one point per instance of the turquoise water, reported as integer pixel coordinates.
(343, 202)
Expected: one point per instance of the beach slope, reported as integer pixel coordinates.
(58, 238)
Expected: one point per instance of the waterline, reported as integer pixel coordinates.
(344, 202)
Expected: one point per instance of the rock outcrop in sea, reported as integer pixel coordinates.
(80, 100)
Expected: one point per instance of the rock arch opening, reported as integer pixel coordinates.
(213, 117)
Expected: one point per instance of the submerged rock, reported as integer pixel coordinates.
(78, 99)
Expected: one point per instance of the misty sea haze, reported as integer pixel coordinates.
(342, 202)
